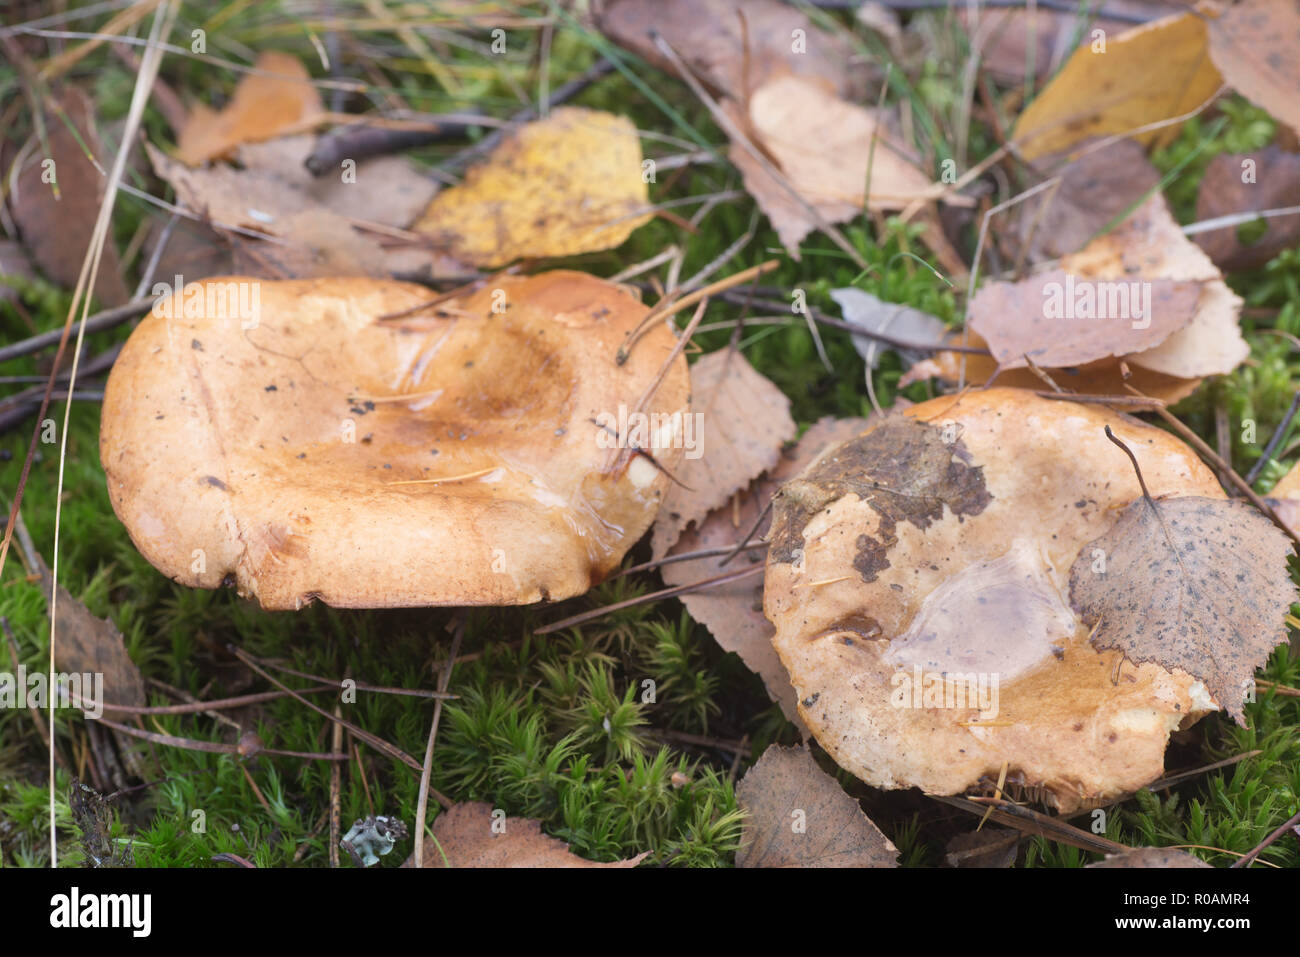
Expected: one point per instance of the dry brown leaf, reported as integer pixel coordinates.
(1256, 44)
(823, 146)
(1150, 245)
(1095, 189)
(1150, 73)
(281, 199)
(799, 816)
(733, 612)
(86, 644)
(1285, 499)
(1274, 183)
(1152, 857)
(1103, 377)
(734, 47)
(57, 230)
(472, 834)
(1014, 318)
(743, 422)
(277, 99)
(990, 847)
(568, 184)
(1192, 583)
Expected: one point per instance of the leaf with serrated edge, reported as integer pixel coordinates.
(798, 816)
(1193, 583)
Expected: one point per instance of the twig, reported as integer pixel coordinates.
(100, 321)
(646, 599)
(689, 556)
(1033, 823)
(214, 747)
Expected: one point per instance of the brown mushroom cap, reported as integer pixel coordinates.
(967, 573)
(228, 456)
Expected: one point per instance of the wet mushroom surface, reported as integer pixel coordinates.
(345, 441)
(919, 582)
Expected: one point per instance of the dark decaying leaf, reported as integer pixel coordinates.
(1271, 181)
(988, 847)
(1097, 186)
(469, 835)
(56, 229)
(1014, 319)
(1152, 857)
(1194, 583)
(798, 816)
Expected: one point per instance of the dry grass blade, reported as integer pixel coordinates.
(1033, 823)
(422, 806)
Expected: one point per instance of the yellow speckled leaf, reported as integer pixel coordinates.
(568, 184)
(1153, 72)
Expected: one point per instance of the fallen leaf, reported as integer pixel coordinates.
(1110, 317)
(1150, 245)
(1192, 583)
(1285, 498)
(1274, 183)
(86, 644)
(276, 99)
(799, 816)
(900, 321)
(1150, 73)
(57, 229)
(471, 834)
(1152, 857)
(568, 184)
(282, 200)
(743, 422)
(1256, 44)
(735, 47)
(823, 146)
(733, 611)
(1017, 42)
(389, 190)
(1096, 188)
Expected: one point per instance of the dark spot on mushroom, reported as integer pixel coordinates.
(195, 344)
(811, 700)
(270, 388)
(215, 482)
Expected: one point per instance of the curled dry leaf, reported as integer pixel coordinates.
(1144, 75)
(823, 146)
(799, 816)
(1249, 182)
(1058, 321)
(567, 184)
(276, 99)
(1256, 43)
(1152, 857)
(893, 319)
(918, 583)
(473, 834)
(1191, 583)
(739, 421)
(55, 218)
(282, 438)
(733, 611)
(733, 46)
